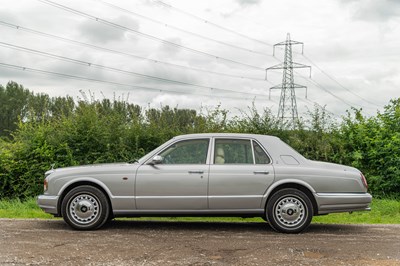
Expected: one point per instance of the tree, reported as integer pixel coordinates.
(13, 106)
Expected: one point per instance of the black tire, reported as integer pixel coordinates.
(289, 210)
(85, 208)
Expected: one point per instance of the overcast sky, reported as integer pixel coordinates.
(351, 45)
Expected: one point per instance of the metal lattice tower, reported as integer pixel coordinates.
(287, 112)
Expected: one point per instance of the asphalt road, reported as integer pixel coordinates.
(51, 242)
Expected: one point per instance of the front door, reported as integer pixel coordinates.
(179, 182)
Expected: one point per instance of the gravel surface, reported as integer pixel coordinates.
(52, 242)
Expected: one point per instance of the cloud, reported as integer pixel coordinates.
(343, 37)
(8, 17)
(238, 8)
(248, 2)
(170, 51)
(374, 10)
(100, 33)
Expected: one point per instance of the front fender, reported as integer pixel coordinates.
(85, 179)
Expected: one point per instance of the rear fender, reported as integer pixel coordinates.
(284, 182)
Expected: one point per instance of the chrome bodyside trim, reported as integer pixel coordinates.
(193, 197)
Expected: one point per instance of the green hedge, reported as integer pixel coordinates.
(63, 132)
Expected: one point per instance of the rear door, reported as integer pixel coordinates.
(240, 173)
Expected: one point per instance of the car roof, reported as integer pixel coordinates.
(208, 135)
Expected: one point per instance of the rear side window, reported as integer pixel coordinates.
(233, 151)
(260, 155)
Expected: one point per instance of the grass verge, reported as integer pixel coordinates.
(384, 211)
(22, 209)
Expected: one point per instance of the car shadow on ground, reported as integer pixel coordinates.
(261, 227)
(187, 225)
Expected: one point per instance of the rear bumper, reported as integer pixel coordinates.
(48, 203)
(342, 202)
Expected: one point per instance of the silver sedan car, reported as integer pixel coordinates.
(242, 175)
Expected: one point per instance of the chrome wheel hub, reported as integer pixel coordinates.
(290, 211)
(84, 209)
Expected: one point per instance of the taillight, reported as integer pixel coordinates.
(45, 185)
(364, 181)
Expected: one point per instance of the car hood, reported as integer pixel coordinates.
(90, 168)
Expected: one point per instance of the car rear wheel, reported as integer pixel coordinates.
(85, 208)
(289, 210)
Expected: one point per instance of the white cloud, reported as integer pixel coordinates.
(96, 32)
(374, 10)
(248, 2)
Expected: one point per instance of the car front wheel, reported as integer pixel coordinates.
(85, 208)
(289, 210)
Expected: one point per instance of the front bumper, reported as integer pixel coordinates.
(342, 202)
(48, 204)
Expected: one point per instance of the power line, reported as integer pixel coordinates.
(337, 82)
(262, 42)
(63, 39)
(90, 64)
(321, 87)
(315, 83)
(250, 38)
(148, 36)
(211, 23)
(320, 106)
(318, 85)
(155, 61)
(51, 73)
(179, 29)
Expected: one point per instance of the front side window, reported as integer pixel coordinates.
(233, 151)
(186, 152)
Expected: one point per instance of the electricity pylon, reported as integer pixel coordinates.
(287, 112)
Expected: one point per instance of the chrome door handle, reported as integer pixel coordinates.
(196, 172)
(261, 172)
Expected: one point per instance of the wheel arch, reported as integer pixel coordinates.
(82, 182)
(297, 184)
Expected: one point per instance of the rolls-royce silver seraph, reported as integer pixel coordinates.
(244, 175)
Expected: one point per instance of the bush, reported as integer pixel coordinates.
(68, 133)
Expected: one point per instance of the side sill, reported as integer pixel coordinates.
(191, 213)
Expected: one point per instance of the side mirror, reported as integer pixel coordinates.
(156, 160)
